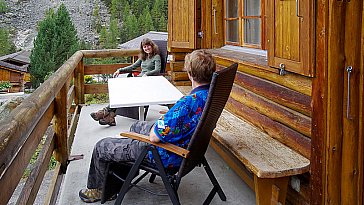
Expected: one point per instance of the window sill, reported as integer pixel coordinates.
(248, 56)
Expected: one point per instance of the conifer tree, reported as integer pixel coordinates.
(6, 45)
(55, 43)
(113, 34)
(130, 27)
(162, 24)
(146, 22)
(96, 23)
(42, 59)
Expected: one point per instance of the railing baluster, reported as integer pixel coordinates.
(60, 127)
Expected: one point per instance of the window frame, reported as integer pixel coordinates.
(241, 17)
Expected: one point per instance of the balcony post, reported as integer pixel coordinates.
(80, 83)
(60, 127)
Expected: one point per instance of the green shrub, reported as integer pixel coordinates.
(4, 85)
(3, 7)
(97, 98)
(89, 79)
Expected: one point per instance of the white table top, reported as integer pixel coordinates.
(140, 91)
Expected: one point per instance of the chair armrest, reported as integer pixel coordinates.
(167, 146)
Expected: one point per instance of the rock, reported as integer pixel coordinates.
(9, 105)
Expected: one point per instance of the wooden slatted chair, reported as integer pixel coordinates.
(193, 156)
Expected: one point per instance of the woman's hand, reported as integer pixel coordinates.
(116, 74)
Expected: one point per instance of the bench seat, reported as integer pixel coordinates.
(271, 162)
(260, 153)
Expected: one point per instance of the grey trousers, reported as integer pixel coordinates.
(115, 150)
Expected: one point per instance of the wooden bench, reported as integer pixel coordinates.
(246, 147)
(271, 162)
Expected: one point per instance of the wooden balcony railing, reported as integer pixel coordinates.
(45, 114)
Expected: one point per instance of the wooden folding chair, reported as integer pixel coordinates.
(193, 156)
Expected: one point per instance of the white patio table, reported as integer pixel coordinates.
(141, 91)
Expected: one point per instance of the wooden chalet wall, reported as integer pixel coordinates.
(16, 78)
(305, 108)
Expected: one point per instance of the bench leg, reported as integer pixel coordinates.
(270, 191)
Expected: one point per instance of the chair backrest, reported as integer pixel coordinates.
(162, 45)
(220, 87)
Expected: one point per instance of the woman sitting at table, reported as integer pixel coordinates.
(150, 63)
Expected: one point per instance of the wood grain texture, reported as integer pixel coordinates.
(278, 131)
(31, 186)
(107, 53)
(350, 155)
(170, 147)
(61, 127)
(260, 153)
(96, 88)
(179, 76)
(319, 106)
(16, 158)
(104, 68)
(177, 66)
(293, 81)
(182, 83)
(275, 92)
(278, 113)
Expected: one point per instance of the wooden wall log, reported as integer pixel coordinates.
(31, 186)
(23, 152)
(107, 53)
(293, 81)
(277, 93)
(22, 120)
(182, 83)
(103, 68)
(179, 76)
(177, 66)
(179, 56)
(60, 127)
(278, 131)
(278, 113)
(96, 88)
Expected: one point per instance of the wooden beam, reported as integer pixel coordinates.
(19, 160)
(182, 83)
(179, 76)
(107, 53)
(96, 88)
(177, 66)
(277, 93)
(103, 68)
(276, 112)
(278, 131)
(80, 83)
(60, 127)
(31, 186)
(70, 96)
(54, 186)
(293, 81)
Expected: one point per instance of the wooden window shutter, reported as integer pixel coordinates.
(291, 35)
(182, 30)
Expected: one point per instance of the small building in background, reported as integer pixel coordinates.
(14, 69)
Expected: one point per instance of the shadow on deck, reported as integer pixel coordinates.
(193, 189)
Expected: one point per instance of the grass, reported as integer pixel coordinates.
(97, 98)
(3, 7)
(33, 160)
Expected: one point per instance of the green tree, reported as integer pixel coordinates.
(103, 37)
(41, 58)
(137, 6)
(146, 22)
(162, 24)
(130, 27)
(66, 43)
(96, 22)
(6, 45)
(3, 7)
(55, 43)
(113, 33)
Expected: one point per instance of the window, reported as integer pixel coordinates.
(244, 23)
